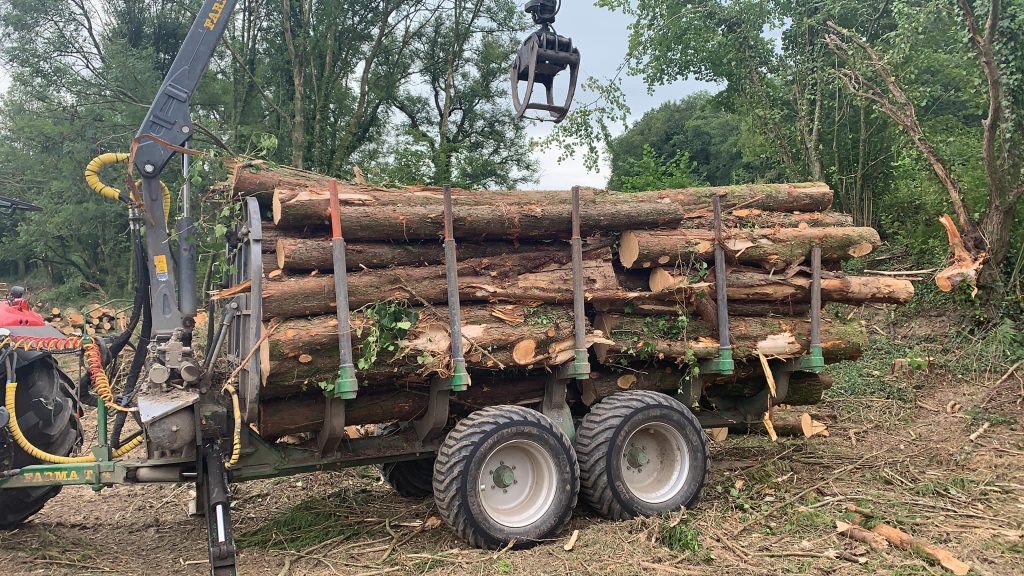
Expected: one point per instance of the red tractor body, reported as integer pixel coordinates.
(16, 313)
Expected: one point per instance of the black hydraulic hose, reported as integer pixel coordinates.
(135, 371)
(141, 290)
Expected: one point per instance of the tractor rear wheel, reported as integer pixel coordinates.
(506, 474)
(46, 415)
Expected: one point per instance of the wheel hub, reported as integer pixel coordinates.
(654, 462)
(517, 483)
(636, 457)
(503, 476)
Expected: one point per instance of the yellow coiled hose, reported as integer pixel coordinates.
(19, 437)
(236, 438)
(92, 178)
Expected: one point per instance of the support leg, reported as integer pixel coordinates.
(216, 500)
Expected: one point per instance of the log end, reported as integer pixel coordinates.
(525, 352)
(280, 250)
(662, 279)
(629, 248)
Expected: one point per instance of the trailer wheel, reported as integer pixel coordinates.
(47, 417)
(641, 453)
(410, 478)
(506, 473)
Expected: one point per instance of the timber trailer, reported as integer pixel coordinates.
(498, 474)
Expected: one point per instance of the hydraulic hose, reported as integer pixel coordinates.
(236, 437)
(92, 178)
(138, 363)
(23, 442)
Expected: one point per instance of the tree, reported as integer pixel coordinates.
(652, 172)
(716, 141)
(997, 44)
(457, 126)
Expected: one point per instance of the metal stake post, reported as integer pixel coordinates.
(346, 386)
(814, 361)
(723, 364)
(460, 379)
(581, 365)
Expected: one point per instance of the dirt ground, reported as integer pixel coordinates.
(770, 508)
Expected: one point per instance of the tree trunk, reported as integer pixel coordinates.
(540, 277)
(758, 286)
(303, 353)
(772, 249)
(388, 403)
(373, 214)
(297, 254)
(654, 339)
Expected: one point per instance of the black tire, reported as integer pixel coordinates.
(601, 446)
(410, 478)
(459, 471)
(46, 415)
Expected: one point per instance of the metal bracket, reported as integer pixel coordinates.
(333, 431)
(434, 421)
(556, 408)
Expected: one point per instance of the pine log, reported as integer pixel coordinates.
(772, 249)
(298, 254)
(538, 276)
(757, 286)
(260, 179)
(654, 339)
(374, 405)
(784, 423)
(416, 214)
(303, 353)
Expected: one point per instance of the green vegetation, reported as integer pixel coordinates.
(681, 537)
(387, 323)
(318, 85)
(304, 525)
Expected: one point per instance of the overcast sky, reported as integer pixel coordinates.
(601, 38)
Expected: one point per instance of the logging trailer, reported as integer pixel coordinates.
(498, 474)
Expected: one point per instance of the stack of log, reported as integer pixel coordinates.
(94, 320)
(649, 283)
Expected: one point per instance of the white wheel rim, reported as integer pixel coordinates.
(517, 483)
(655, 462)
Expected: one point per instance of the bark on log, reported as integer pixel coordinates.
(540, 277)
(298, 254)
(757, 286)
(655, 339)
(303, 353)
(414, 214)
(258, 178)
(375, 405)
(772, 249)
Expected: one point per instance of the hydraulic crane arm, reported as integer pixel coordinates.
(167, 129)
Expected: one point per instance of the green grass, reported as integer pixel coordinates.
(871, 376)
(503, 566)
(682, 538)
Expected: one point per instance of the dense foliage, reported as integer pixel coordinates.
(410, 90)
(908, 108)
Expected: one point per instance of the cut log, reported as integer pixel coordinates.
(785, 422)
(371, 214)
(538, 277)
(303, 353)
(298, 254)
(386, 403)
(772, 249)
(654, 339)
(904, 541)
(757, 286)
